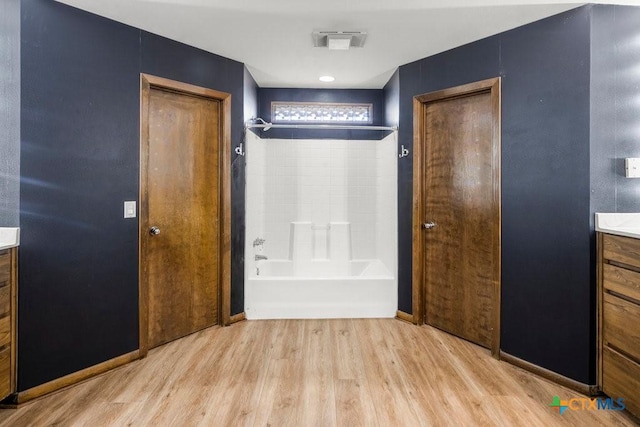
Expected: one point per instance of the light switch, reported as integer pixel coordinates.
(632, 167)
(130, 209)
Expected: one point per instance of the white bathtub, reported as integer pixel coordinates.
(276, 289)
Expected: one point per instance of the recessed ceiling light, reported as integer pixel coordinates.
(326, 79)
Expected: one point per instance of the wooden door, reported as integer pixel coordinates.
(460, 214)
(180, 224)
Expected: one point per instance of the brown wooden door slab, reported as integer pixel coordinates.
(181, 182)
(460, 215)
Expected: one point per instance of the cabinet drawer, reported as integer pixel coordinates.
(5, 372)
(621, 378)
(621, 325)
(5, 299)
(5, 267)
(624, 282)
(5, 331)
(621, 249)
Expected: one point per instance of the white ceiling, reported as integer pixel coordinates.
(273, 38)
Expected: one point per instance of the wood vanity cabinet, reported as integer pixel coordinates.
(7, 321)
(619, 318)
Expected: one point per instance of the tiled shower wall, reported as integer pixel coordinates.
(322, 181)
(386, 202)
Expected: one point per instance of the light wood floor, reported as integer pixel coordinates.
(312, 373)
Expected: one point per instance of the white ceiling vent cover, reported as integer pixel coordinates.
(339, 40)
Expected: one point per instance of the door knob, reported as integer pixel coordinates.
(428, 225)
(154, 231)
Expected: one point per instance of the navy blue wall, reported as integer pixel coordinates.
(238, 229)
(250, 96)
(392, 100)
(547, 275)
(370, 96)
(78, 301)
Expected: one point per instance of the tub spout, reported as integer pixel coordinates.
(260, 257)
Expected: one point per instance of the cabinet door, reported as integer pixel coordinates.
(5, 372)
(621, 326)
(6, 279)
(621, 378)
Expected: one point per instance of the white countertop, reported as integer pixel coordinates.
(9, 237)
(622, 224)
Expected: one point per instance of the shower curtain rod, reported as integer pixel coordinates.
(268, 126)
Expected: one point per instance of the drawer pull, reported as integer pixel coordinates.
(622, 352)
(623, 297)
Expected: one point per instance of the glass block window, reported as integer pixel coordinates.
(320, 112)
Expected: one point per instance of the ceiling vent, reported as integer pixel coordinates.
(339, 40)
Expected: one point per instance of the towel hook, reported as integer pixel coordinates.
(404, 152)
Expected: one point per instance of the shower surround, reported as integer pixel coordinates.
(326, 210)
